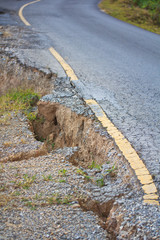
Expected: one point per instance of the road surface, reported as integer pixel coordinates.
(118, 65)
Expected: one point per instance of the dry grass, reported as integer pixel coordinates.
(14, 75)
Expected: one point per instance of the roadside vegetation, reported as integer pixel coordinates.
(142, 13)
(18, 100)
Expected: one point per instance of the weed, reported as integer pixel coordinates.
(62, 172)
(38, 196)
(41, 139)
(16, 193)
(87, 177)
(50, 145)
(47, 178)
(24, 199)
(28, 181)
(17, 174)
(112, 171)
(18, 184)
(1, 168)
(31, 115)
(2, 188)
(79, 171)
(30, 205)
(100, 182)
(94, 165)
(55, 199)
(62, 180)
(66, 200)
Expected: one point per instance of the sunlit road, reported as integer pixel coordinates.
(118, 64)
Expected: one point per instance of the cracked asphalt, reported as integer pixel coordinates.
(118, 64)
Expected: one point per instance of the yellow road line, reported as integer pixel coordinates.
(21, 13)
(129, 153)
(69, 71)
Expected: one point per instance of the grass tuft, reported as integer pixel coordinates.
(15, 101)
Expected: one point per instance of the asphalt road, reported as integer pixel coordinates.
(118, 65)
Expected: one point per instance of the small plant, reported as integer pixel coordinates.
(47, 178)
(2, 188)
(30, 205)
(18, 184)
(87, 177)
(1, 168)
(94, 165)
(112, 171)
(50, 145)
(16, 193)
(38, 196)
(41, 139)
(66, 200)
(62, 180)
(100, 182)
(79, 171)
(55, 199)
(31, 116)
(26, 183)
(62, 172)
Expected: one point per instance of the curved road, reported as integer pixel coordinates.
(118, 65)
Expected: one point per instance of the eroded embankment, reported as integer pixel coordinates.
(110, 188)
(13, 75)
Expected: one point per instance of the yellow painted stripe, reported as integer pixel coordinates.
(21, 13)
(129, 153)
(69, 71)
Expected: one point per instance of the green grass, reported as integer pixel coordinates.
(47, 178)
(62, 172)
(142, 13)
(25, 183)
(95, 165)
(100, 182)
(80, 172)
(62, 181)
(17, 100)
